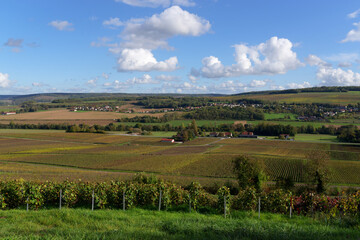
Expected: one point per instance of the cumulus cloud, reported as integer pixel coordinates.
(275, 56)
(143, 60)
(92, 82)
(354, 14)
(113, 23)
(168, 78)
(331, 76)
(338, 77)
(258, 83)
(62, 25)
(145, 79)
(153, 32)
(314, 60)
(353, 35)
(157, 3)
(141, 36)
(298, 85)
(4, 80)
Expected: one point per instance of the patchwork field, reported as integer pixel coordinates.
(343, 98)
(56, 155)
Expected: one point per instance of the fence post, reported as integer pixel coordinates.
(93, 201)
(259, 207)
(189, 203)
(60, 199)
(224, 206)
(27, 204)
(160, 200)
(124, 200)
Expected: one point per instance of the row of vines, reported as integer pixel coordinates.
(111, 195)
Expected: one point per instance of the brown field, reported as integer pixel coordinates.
(47, 155)
(65, 116)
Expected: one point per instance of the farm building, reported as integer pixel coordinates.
(170, 140)
(213, 134)
(247, 135)
(9, 113)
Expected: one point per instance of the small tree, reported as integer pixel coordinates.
(248, 173)
(316, 169)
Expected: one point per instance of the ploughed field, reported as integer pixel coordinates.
(56, 155)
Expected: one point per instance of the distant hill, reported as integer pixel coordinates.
(332, 95)
(49, 97)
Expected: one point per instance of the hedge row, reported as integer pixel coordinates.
(19, 193)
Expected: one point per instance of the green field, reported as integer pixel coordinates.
(343, 98)
(56, 155)
(145, 224)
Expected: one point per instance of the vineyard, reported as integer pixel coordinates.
(150, 193)
(56, 155)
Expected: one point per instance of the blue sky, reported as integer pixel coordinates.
(177, 46)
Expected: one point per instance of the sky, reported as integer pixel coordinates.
(177, 46)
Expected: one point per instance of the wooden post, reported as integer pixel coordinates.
(259, 207)
(60, 199)
(124, 200)
(93, 201)
(224, 206)
(189, 203)
(27, 204)
(290, 206)
(160, 200)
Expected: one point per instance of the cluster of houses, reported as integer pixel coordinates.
(93, 108)
(229, 134)
(8, 113)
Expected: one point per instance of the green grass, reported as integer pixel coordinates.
(343, 98)
(315, 138)
(145, 224)
(270, 116)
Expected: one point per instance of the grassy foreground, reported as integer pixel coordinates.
(144, 224)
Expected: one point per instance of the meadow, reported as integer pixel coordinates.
(145, 224)
(55, 155)
(341, 98)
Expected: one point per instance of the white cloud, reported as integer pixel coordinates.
(275, 56)
(62, 25)
(145, 79)
(314, 60)
(4, 80)
(298, 85)
(104, 42)
(168, 78)
(344, 65)
(113, 23)
(354, 14)
(338, 77)
(343, 57)
(11, 42)
(258, 83)
(37, 84)
(184, 87)
(334, 76)
(185, 3)
(105, 75)
(353, 35)
(92, 82)
(143, 60)
(153, 32)
(157, 3)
